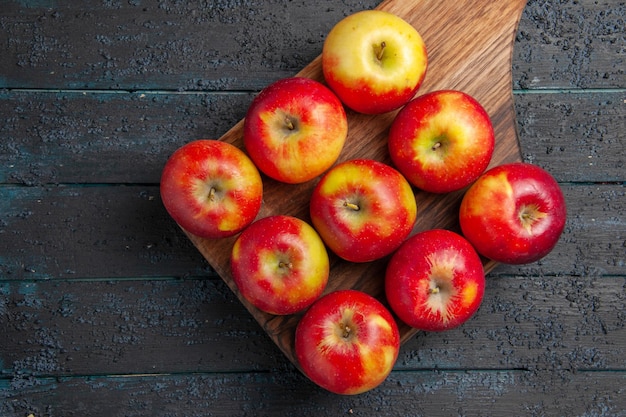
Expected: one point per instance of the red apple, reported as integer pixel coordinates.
(280, 264)
(347, 342)
(363, 209)
(295, 129)
(441, 141)
(435, 281)
(514, 213)
(211, 188)
(374, 61)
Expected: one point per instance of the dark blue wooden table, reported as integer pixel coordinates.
(107, 309)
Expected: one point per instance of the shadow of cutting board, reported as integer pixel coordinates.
(470, 43)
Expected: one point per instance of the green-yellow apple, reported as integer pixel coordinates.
(435, 281)
(363, 209)
(374, 61)
(211, 188)
(295, 129)
(347, 342)
(441, 141)
(280, 264)
(514, 213)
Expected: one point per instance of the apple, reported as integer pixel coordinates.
(514, 213)
(211, 188)
(441, 141)
(280, 264)
(295, 129)
(363, 209)
(374, 61)
(347, 342)
(435, 281)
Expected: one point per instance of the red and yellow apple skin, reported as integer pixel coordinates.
(514, 213)
(435, 281)
(363, 209)
(211, 188)
(347, 342)
(280, 264)
(374, 61)
(295, 129)
(441, 141)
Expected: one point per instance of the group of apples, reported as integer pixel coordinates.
(362, 210)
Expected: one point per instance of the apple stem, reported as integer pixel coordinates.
(381, 51)
(282, 264)
(212, 192)
(352, 206)
(289, 123)
(436, 146)
(434, 290)
(346, 331)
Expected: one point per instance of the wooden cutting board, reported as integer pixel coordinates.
(470, 43)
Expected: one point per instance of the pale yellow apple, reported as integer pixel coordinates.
(374, 61)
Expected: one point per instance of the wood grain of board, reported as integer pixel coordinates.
(470, 47)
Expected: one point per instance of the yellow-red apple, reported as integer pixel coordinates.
(347, 342)
(363, 209)
(435, 281)
(295, 129)
(441, 141)
(280, 264)
(514, 213)
(374, 61)
(211, 188)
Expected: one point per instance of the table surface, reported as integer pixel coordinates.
(107, 309)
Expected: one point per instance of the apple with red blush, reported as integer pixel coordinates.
(435, 281)
(295, 129)
(280, 264)
(514, 213)
(211, 188)
(363, 209)
(374, 60)
(441, 141)
(347, 342)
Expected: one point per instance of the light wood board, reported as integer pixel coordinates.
(470, 44)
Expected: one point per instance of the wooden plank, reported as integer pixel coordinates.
(99, 137)
(132, 45)
(538, 329)
(91, 232)
(96, 137)
(57, 328)
(472, 393)
(69, 232)
(571, 45)
(128, 326)
(578, 137)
